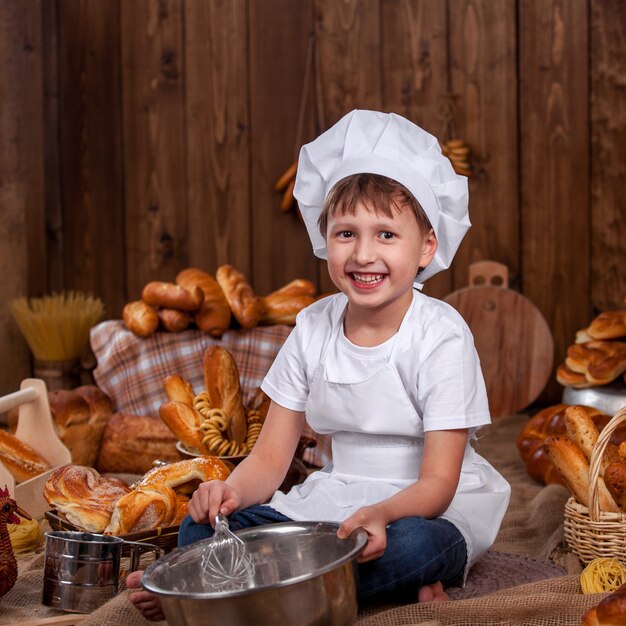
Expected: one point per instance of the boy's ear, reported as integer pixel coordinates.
(429, 247)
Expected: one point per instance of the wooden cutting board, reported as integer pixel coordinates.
(512, 338)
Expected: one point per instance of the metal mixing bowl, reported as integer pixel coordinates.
(304, 576)
(608, 399)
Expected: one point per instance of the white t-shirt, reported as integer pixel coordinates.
(438, 364)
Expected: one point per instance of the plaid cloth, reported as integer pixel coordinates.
(131, 370)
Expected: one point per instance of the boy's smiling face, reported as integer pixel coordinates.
(374, 258)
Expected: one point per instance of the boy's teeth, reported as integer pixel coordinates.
(368, 278)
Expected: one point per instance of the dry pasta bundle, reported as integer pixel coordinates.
(603, 574)
(57, 327)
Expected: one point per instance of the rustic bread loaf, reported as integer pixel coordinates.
(131, 444)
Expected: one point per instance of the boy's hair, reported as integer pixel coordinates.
(376, 192)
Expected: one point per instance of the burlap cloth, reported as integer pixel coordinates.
(528, 577)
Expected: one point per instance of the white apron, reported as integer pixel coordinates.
(377, 446)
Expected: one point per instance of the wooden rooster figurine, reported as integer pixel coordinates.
(8, 563)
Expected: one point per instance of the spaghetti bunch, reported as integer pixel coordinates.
(56, 327)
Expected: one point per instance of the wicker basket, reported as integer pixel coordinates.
(164, 538)
(589, 532)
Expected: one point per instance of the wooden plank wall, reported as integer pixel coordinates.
(150, 133)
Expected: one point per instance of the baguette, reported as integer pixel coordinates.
(140, 318)
(184, 422)
(172, 296)
(571, 462)
(221, 381)
(20, 459)
(245, 305)
(213, 317)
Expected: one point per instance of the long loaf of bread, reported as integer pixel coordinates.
(213, 316)
(20, 459)
(221, 381)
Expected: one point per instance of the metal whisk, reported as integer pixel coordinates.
(226, 563)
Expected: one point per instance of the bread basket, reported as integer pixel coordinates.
(589, 532)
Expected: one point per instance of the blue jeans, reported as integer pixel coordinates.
(419, 552)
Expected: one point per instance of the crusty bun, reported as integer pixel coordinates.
(184, 422)
(185, 476)
(600, 361)
(283, 309)
(213, 317)
(172, 296)
(20, 459)
(131, 444)
(569, 378)
(144, 508)
(221, 381)
(608, 325)
(245, 305)
(85, 498)
(140, 318)
(173, 320)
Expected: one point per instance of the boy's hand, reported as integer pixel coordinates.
(372, 520)
(211, 498)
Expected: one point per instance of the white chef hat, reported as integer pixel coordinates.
(390, 145)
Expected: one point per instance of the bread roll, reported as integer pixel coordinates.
(140, 318)
(185, 476)
(283, 309)
(144, 508)
(172, 296)
(131, 444)
(608, 325)
(20, 459)
(245, 305)
(297, 287)
(213, 317)
(85, 498)
(184, 422)
(173, 320)
(221, 381)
